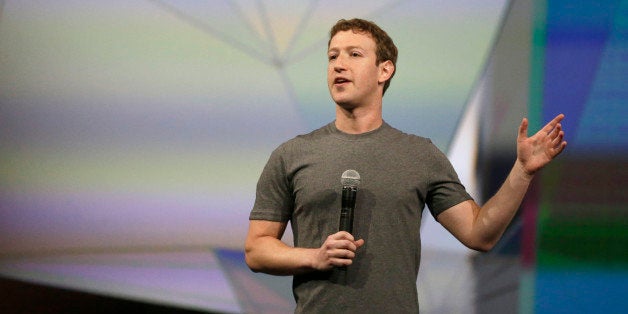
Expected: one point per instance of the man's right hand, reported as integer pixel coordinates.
(265, 252)
(337, 250)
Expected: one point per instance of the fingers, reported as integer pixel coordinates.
(339, 249)
(558, 143)
(550, 126)
(555, 133)
(343, 240)
(556, 140)
(556, 136)
(560, 148)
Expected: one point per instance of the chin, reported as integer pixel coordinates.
(341, 101)
(347, 105)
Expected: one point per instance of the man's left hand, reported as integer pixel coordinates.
(536, 151)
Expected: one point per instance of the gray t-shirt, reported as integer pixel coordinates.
(400, 173)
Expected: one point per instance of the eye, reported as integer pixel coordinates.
(355, 54)
(332, 57)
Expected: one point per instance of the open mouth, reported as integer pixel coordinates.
(340, 81)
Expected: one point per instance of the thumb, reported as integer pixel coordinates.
(523, 129)
(359, 243)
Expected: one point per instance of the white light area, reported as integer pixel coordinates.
(445, 283)
(463, 154)
(445, 261)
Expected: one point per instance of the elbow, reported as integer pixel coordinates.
(252, 265)
(482, 246)
(255, 260)
(250, 261)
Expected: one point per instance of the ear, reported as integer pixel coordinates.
(386, 70)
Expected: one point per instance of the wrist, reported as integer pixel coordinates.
(310, 262)
(521, 171)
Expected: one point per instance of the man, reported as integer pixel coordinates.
(400, 174)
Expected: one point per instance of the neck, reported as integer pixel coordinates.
(358, 120)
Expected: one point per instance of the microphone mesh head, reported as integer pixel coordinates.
(350, 178)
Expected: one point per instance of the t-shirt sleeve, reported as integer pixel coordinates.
(273, 196)
(444, 189)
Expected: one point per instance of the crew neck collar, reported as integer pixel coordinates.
(353, 137)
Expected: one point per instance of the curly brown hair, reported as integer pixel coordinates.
(386, 49)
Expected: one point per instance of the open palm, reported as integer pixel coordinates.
(536, 151)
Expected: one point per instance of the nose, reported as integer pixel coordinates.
(339, 65)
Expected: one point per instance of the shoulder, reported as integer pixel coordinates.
(305, 139)
(317, 134)
(302, 144)
(409, 139)
(417, 150)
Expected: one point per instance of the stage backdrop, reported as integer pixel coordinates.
(147, 123)
(133, 128)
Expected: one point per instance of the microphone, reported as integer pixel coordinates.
(350, 180)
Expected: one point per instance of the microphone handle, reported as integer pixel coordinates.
(346, 211)
(346, 222)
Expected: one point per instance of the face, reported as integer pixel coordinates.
(353, 77)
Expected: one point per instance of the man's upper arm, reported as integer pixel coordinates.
(265, 228)
(263, 241)
(459, 220)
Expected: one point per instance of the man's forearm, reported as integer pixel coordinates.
(272, 256)
(497, 213)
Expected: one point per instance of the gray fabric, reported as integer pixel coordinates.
(400, 173)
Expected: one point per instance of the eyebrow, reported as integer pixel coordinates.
(345, 48)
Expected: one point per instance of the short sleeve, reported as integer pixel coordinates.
(273, 197)
(444, 189)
